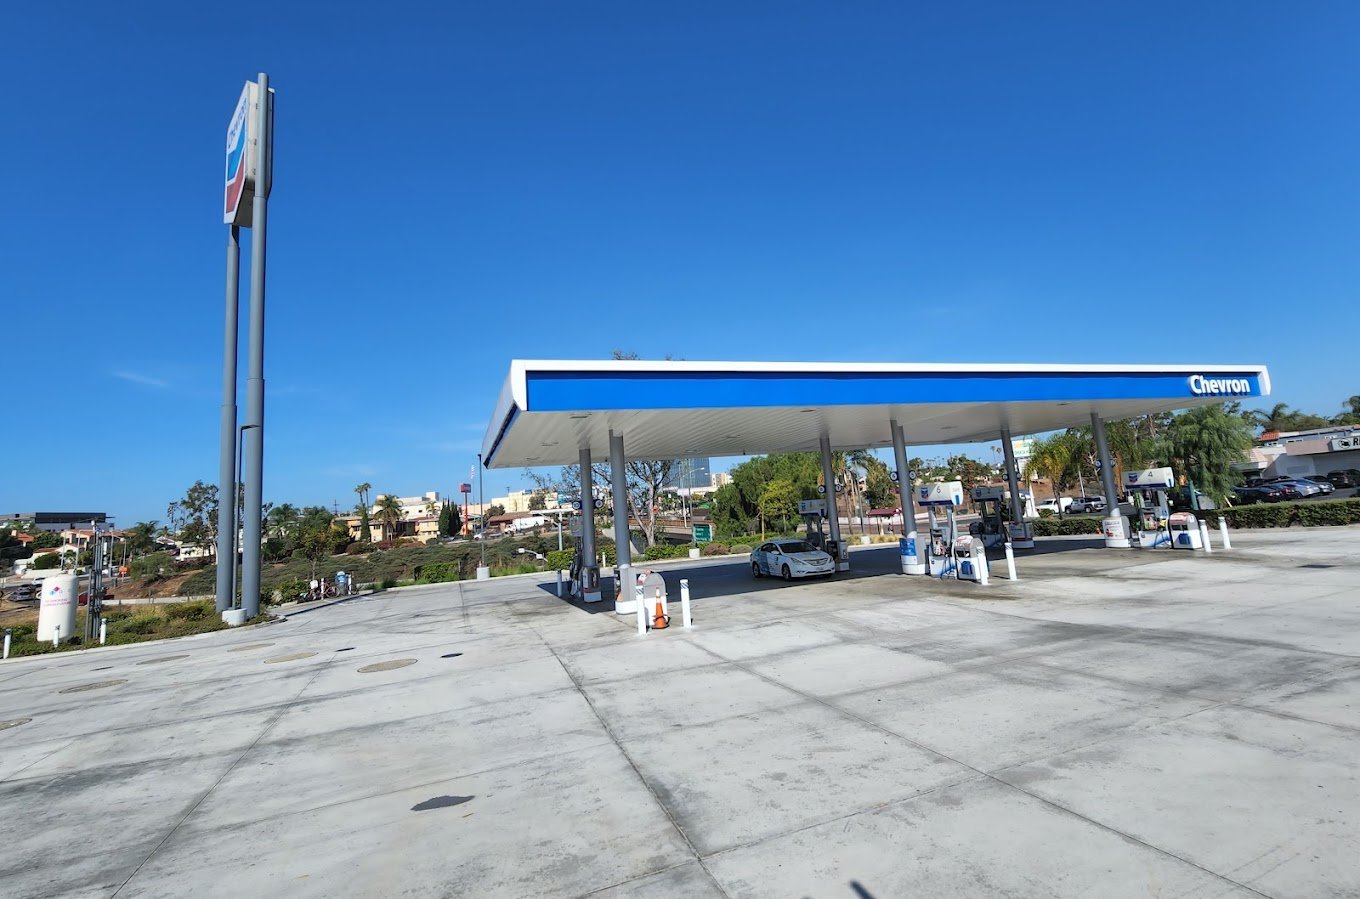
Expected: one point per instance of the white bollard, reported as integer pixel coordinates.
(641, 602)
(1223, 532)
(983, 572)
(103, 631)
(559, 583)
(685, 618)
(1010, 562)
(56, 636)
(7, 638)
(1204, 537)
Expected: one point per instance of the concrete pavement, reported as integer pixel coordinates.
(1115, 723)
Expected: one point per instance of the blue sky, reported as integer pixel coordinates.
(461, 184)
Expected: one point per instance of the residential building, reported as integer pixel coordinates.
(56, 522)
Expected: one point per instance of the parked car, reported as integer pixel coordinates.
(1062, 503)
(1326, 485)
(1246, 495)
(790, 559)
(1345, 477)
(1305, 488)
(1341, 478)
(1087, 504)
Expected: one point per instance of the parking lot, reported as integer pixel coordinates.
(1114, 724)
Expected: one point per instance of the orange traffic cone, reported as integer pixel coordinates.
(660, 621)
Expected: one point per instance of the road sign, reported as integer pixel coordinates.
(599, 503)
(703, 533)
(893, 475)
(576, 504)
(821, 488)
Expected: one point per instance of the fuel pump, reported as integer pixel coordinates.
(1149, 489)
(991, 524)
(814, 519)
(940, 499)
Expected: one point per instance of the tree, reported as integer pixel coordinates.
(1052, 459)
(389, 514)
(450, 520)
(46, 561)
(141, 538)
(282, 521)
(45, 540)
(1207, 441)
(1281, 418)
(365, 531)
(494, 510)
(778, 503)
(969, 471)
(1351, 413)
(728, 513)
(196, 516)
(538, 501)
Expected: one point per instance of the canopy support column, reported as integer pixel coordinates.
(911, 546)
(1021, 537)
(839, 549)
(590, 566)
(1116, 525)
(624, 602)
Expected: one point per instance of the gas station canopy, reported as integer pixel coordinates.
(548, 411)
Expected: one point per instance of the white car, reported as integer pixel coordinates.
(1053, 505)
(790, 559)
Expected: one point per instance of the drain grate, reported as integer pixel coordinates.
(95, 686)
(386, 666)
(292, 657)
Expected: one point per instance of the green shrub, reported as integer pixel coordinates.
(141, 623)
(387, 583)
(714, 549)
(437, 573)
(739, 548)
(1045, 513)
(191, 611)
(1066, 527)
(1307, 513)
(200, 583)
(356, 549)
(664, 551)
(45, 562)
(560, 559)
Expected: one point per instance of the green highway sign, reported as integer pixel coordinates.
(703, 533)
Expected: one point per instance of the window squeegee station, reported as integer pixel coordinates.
(566, 412)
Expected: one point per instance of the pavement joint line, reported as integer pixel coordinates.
(604, 724)
(13, 776)
(659, 871)
(231, 767)
(981, 773)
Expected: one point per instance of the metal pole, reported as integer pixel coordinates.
(623, 547)
(227, 468)
(911, 562)
(482, 572)
(1107, 479)
(1012, 477)
(253, 446)
(833, 516)
(587, 515)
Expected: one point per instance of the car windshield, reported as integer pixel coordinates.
(797, 546)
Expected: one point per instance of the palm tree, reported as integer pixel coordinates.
(1207, 441)
(283, 521)
(362, 490)
(1279, 418)
(1056, 459)
(390, 514)
(365, 534)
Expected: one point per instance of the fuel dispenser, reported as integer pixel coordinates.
(991, 523)
(1148, 489)
(814, 518)
(941, 497)
(1183, 529)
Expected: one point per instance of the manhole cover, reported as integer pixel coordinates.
(5, 725)
(386, 666)
(291, 657)
(161, 659)
(95, 686)
(251, 646)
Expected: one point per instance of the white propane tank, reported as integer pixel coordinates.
(60, 599)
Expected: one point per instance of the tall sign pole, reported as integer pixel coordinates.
(253, 448)
(226, 478)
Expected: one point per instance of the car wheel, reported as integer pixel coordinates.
(788, 575)
(755, 569)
